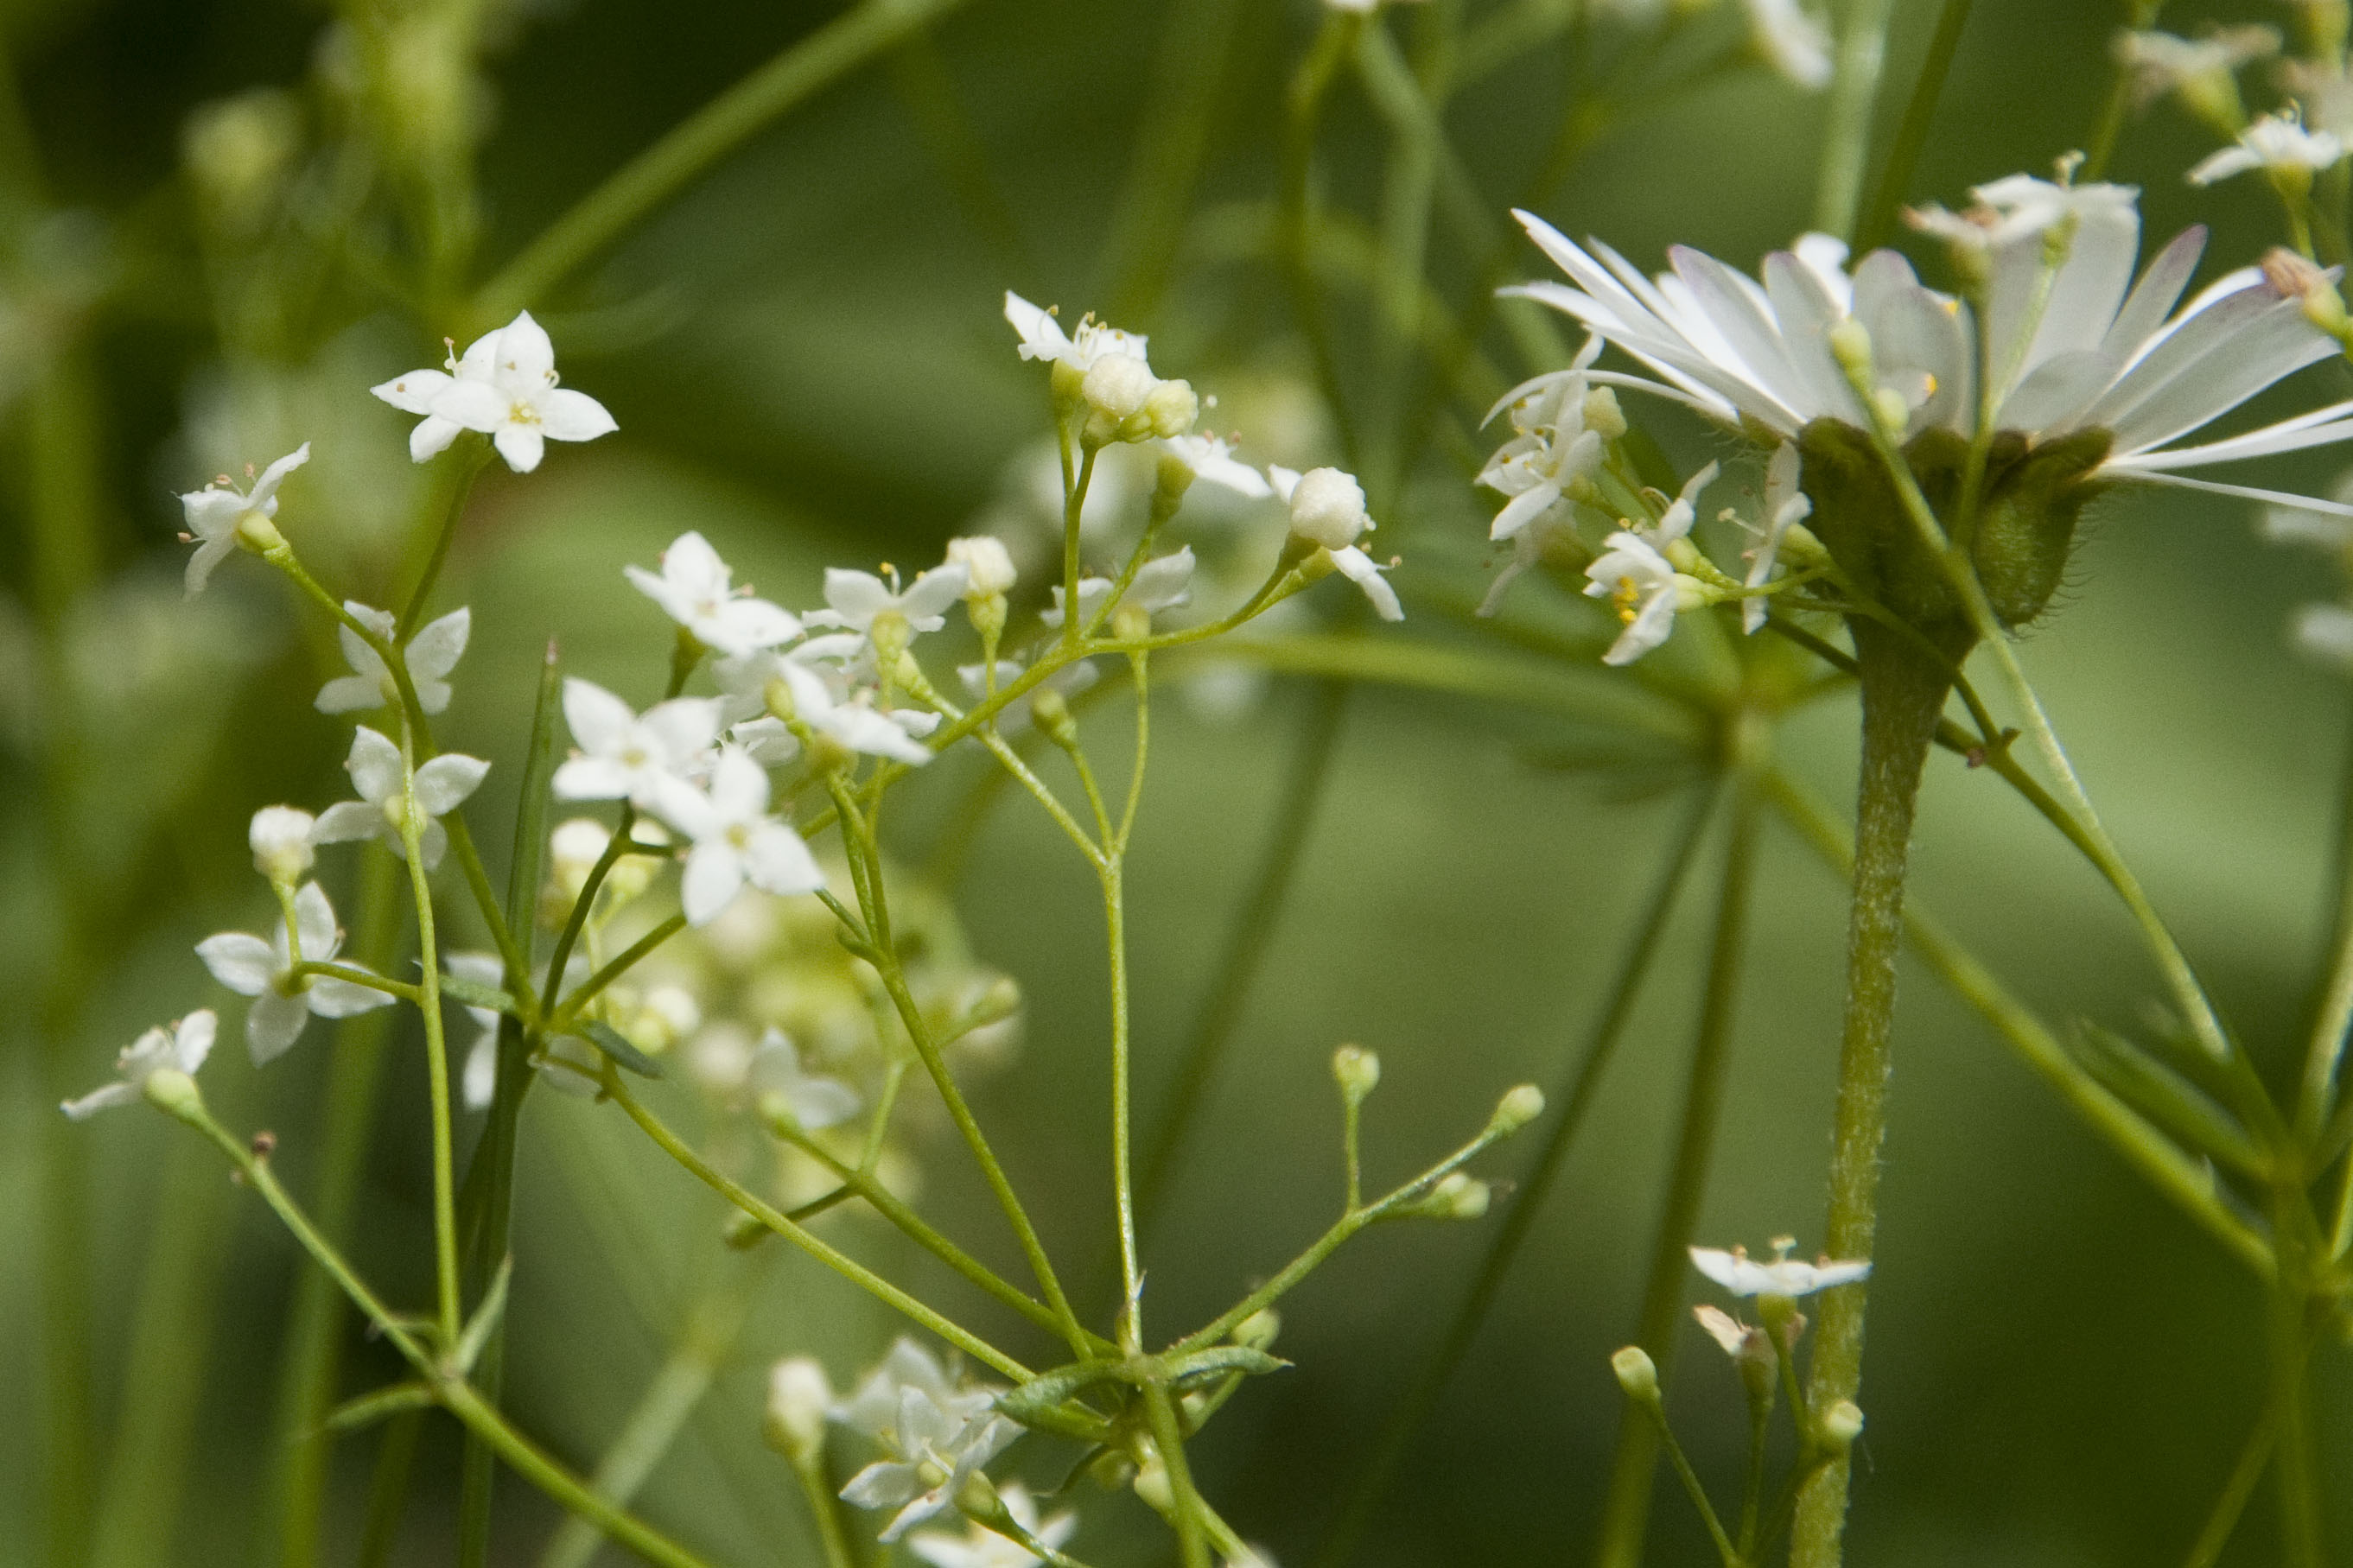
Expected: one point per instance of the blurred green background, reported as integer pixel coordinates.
(807, 363)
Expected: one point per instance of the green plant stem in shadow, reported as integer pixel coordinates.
(1173, 141)
(1575, 1097)
(1626, 1507)
(1878, 226)
(1846, 144)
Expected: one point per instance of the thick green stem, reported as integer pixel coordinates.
(1903, 697)
(1626, 1512)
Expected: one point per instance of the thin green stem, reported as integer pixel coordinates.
(1878, 224)
(365, 979)
(1130, 1269)
(1575, 1098)
(437, 1065)
(1168, 1436)
(2325, 1053)
(1625, 1515)
(1181, 114)
(825, 1509)
(784, 1226)
(1903, 698)
(569, 1012)
(2223, 1520)
(1854, 89)
(1654, 1415)
(658, 173)
(474, 453)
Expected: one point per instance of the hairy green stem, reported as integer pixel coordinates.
(1626, 1511)
(1903, 698)
(1575, 1098)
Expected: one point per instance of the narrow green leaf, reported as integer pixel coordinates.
(486, 1318)
(2177, 1107)
(1219, 1360)
(474, 994)
(614, 1044)
(373, 1406)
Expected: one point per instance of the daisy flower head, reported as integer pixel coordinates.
(504, 387)
(220, 514)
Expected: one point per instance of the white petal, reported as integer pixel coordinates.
(272, 1024)
(431, 437)
(480, 1076)
(1648, 629)
(191, 1042)
(446, 781)
(600, 721)
(413, 392)
(778, 861)
(435, 649)
(264, 488)
(568, 415)
(1357, 567)
(350, 694)
(521, 445)
(241, 961)
(374, 766)
(590, 778)
(314, 922)
(347, 820)
(739, 786)
(525, 353)
(333, 998)
(742, 625)
(103, 1098)
(209, 554)
(714, 875)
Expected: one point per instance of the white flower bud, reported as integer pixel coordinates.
(1842, 1423)
(988, 564)
(798, 1396)
(1152, 1483)
(1357, 1070)
(280, 837)
(1602, 414)
(1327, 507)
(1516, 1110)
(1117, 386)
(1638, 1375)
(1258, 1330)
(572, 851)
(1172, 408)
(1458, 1197)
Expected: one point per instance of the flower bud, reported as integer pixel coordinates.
(1052, 714)
(1638, 1375)
(281, 837)
(977, 1499)
(1116, 386)
(1358, 1072)
(798, 1395)
(777, 697)
(988, 564)
(1602, 414)
(2292, 277)
(1842, 1424)
(1851, 346)
(1258, 1330)
(1457, 1196)
(1152, 1482)
(1173, 408)
(257, 534)
(1111, 1469)
(998, 1001)
(1171, 480)
(890, 633)
(1516, 1110)
(1130, 623)
(1327, 507)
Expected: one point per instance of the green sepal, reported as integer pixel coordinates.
(616, 1044)
(2026, 528)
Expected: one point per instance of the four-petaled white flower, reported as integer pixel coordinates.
(1327, 507)
(692, 589)
(853, 599)
(1042, 337)
(1793, 42)
(2081, 350)
(936, 1432)
(379, 775)
(736, 839)
(214, 513)
(1640, 581)
(1781, 1276)
(1211, 458)
(430, 656)
(503, 387)
(2273, 142)
(2201, 69)
(1162, 583)
(628, 756)
(180, 1048)
(981, 1547)
(1785, 506)
(282, 1001)
(813, 1100)
(853, 721)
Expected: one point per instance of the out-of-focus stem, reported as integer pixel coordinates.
(1846, 146)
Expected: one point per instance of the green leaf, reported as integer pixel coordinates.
(376, 1405)
(614, 1044)
(2179, 1107)
(475, 995)
(486, 1319)
(1219, 1360)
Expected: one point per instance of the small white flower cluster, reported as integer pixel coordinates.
(1100, 370)
(2202, 74)
(936, 1432)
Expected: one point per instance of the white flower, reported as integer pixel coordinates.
(1327, 507)
(2274, 142)
(936, 1433)
(2201, 69)
(264, 971)
(1783, 1275)
(1785, 505)
(180, 1048)
(1635, 575)
(736, 839)
(626, 755)
(692, 589)
(854, 599)
(799, 1397)
(1211, 458)
(503, 387)
(1042, 337)
(988, 564)
(1792, 42)
(279, 837)
(375, 765)
(2083, 350)
(1553, 447)
(814, 1101)
(214, 513)
(981, 1547)
(430, 656)
(855, 723)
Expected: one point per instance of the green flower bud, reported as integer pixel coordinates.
(1258, 1330)
(1358, 1072)
(1052, 717)
(256, 533)
(1516, 1110)
(1842, 1424)
(175, 1094)
(1173, 408)
(1638, 1375)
